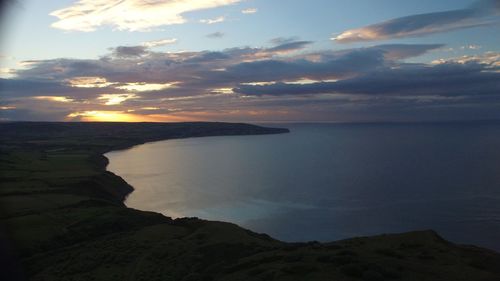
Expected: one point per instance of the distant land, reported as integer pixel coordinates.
(63, 218)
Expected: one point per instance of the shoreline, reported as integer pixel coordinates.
(157, 192)
(65, 214)
(105, 169)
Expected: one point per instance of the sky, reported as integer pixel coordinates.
(250, 60)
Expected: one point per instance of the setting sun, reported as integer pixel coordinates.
(120, 116)
(107, 116)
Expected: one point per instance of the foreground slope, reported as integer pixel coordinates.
(64, 214)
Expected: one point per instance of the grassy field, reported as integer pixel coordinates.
(63, 218)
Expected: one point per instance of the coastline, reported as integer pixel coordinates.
(78, 227)
(126, 187)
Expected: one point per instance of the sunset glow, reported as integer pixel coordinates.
(145, 87)
(114, 99)
(89, 82)
(109, 116)
(56, 99)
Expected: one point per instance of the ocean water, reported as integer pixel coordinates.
(327, 182)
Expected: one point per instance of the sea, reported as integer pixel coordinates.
(325, 182)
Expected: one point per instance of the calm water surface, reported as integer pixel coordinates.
(328, 182)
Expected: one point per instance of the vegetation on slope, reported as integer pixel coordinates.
(64, 214)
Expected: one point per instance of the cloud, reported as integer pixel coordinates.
(212, 21)
(288, 46)
(216, 35)
(133, 68)
(22, 88)
(330, 65)
(488, 58)
(127, 51)
(283, 40)
(249, 11)
(471, 47)
(6, 72)
(481, 13)
(403, 51)
(31, 114)
(159, 43)
(130, 15)
(244, 84)
(113, 99)
(275, 70)
(54, 98)
(449, 78)
(127, 65)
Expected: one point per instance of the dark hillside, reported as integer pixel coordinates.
(63, 215)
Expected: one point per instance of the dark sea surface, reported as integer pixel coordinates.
(328, 182)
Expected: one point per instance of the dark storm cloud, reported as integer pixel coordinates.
(481, 13)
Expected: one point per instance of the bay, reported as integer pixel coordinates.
(328, 181)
